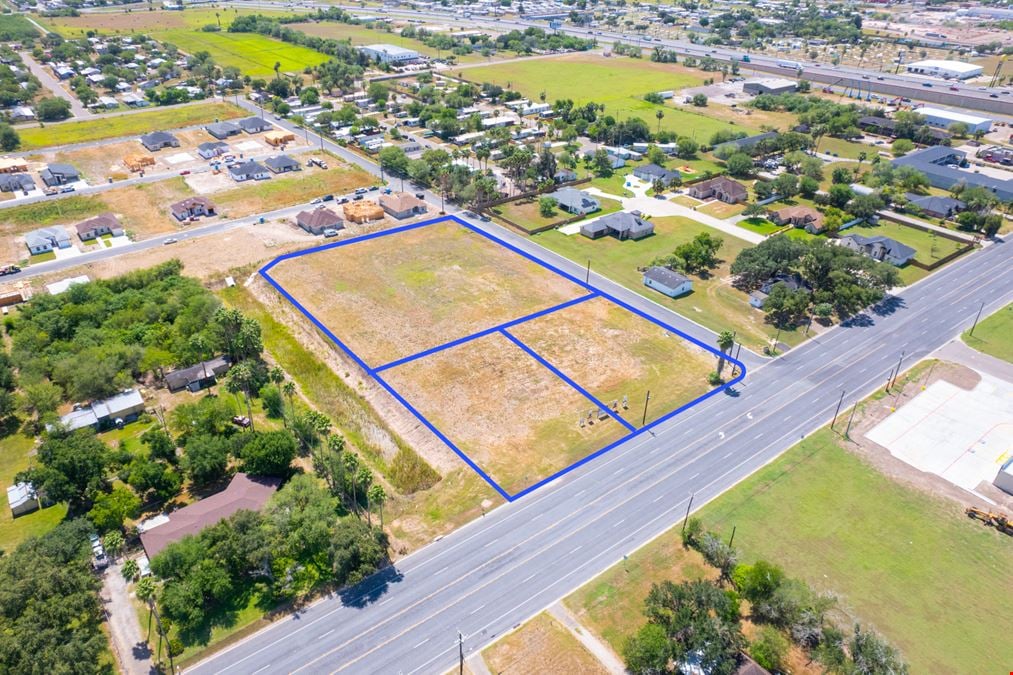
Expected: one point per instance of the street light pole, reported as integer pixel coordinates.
(834, 421)
(646, 401)
(975, 325)
(460, 648)
(897, 372)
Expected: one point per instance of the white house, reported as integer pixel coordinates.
(668, 282)
(22, 499)
(391, 54)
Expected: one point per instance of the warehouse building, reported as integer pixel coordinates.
(940, 117)
(391, 54)
(945, 69)
(769, 85)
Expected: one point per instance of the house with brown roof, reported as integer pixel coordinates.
(363, 211)
(402, 205)
(244, 492)
(100, 225)
(318, 220)
(799, 216)
(721, 188)
(192, 207)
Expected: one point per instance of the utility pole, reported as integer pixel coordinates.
(646, 401)
(688, 507)
(850, 417)
(587, 276)
(460, 648)
(975, 325)
(834, 421)
(897, 372)
(731, 538)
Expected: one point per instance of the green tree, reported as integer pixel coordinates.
(113, 543)
(112, 508)
(393, 160)
(700, 100)
(647, 651)
(808, 186)
(71, 467)
(40, 400)
(786, 185)
(656, 155)
(52, 109)
(377, 497)
(9, 139)
(726, 340)
(770, 649)
(687, 147)
(205, 458)
(269, 453)
(739, 164)
(130, 570)
(357, 550)
(902, 146)
(870, 654)
(546, 206)
(754, 210)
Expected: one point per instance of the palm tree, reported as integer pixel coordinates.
(377, 496)
(660, 115)
(726, 339)
(862, 157)
(277, 68)
(363, 478)
(351, 466)
(289, 390)
(145, 592)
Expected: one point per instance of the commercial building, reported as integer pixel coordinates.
(945, 69)
(940, 165)
(769, 85)
(940, 117)
(392, 54)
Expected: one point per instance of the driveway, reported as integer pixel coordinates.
(129, 644)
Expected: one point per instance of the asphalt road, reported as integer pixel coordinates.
(501, 569)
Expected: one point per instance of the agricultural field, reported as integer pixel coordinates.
(714, 302)
(443, 315)
(541, 645)
(16, 27)
(619, 84)
(131, 124)
(135, 20)
(992, 335)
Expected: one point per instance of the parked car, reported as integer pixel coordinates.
(327, 198)
(357, 197)
(170, 240)
(316, 201)
(420, 195)
(67, 188)
(361, 191)
(241, 421)
(374, 188)
(330, 232)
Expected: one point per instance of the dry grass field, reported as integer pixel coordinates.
(391, 297)
(541, 645)
(511, 415)
(613, 353)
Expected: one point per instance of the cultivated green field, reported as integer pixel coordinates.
(17, 27)
(619, 83)
(253, 54)
(994, 335)
(130, 124)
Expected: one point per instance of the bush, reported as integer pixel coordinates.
(713, 379)
(409, 472)
(691, 533)
(770, 649)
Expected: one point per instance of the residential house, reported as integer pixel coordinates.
(799, 216)
(938, 207)
(721, 188)
(282, 164)
(565, 176)
(653, 172)
(402, 205)
(55, 175)
(615, 161)
(248, 170)
(574, 201)
(222, 130)
(879, 248)
(192, 207)
(114, 411)
(198, 376)
(941, 165)
(243, 493)
(21, 113)
(13, 165)
(138, 162)
(318, 220)
(212, 149)
(46, 239)
(254, 125)
(667, 281)
(16, 182)
(100, 225)
(22, 498)
(157, 140)
(793, 281)
(620, 225)
(746, 144)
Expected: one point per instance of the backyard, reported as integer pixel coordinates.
(619, 84)
(714, 302)
(15, 456)
(929, 246)
(526, 214)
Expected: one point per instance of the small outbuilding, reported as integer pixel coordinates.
(22, 498)
(671, 283)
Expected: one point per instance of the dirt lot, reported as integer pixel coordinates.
(388, 298)
(503, 409)
(613, 353)
(542, 645)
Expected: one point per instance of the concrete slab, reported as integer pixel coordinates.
(179, 158)
(962, 436)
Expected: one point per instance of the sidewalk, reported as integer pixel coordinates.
(960, 353)
(599, 649)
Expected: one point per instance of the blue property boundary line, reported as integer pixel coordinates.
(561, 375)
(502, 328)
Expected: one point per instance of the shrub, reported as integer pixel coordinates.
(769, 649)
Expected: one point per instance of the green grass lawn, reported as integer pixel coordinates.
(37, 258)
(714, 303)
(525, 213)
(14, 457)
(928, 245)
(126, 125)
(994, 335)
(618, 83)
(911, 565)
(846, 149)
(253, 54)
(759, 225)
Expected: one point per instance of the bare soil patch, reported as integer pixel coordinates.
(392, 297)
(542, 645)
(613, 353)
(511, 415)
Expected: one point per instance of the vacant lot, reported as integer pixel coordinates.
(130, 124)
(613, 353)
(840, 147)
(714, 302)
(397, 295)
(541, 645)
(994, 335)
(619, 84)
(363, 35)
(133, 20)
(503, 409)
